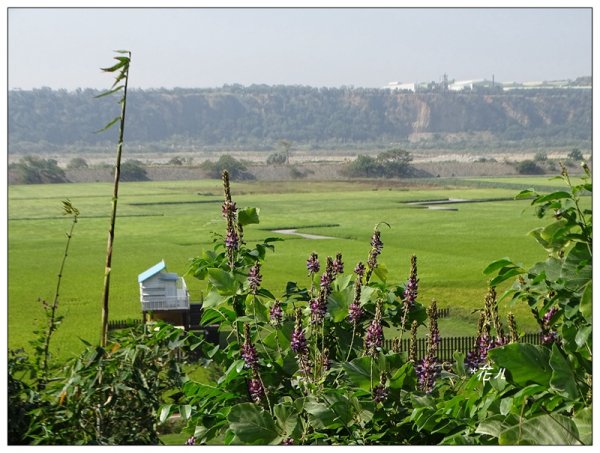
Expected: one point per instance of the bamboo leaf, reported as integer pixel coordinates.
(109, 92)
(109, 125)
(113, 68)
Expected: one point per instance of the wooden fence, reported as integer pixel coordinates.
(448, 345)
(123, 323)
(446, 348)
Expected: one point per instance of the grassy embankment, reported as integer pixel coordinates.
(174, 221)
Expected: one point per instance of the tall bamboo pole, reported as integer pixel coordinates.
(111, 232)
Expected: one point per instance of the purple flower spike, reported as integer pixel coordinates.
(549, 335)
(338, 265)
(256, 389)
(381, 392)
(229, 209)
(317, 310)
(312, 264)
(276, 314)
(374, 335)
(355, 312)
(376, 242)
(325, 280)
(231, 240)
(254, 278)
(298, 342)
(360, 269)
(412, 286)
(248, 351)
(427, 371)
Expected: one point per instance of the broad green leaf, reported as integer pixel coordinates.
(342, 282)
(165, 412)
(563, 379)
(546, 429)
(404, 377)
(361, 371)
(577, 269)
(583, 421)
(248, 216)
(527, 193)
(493, 426)
(186, 411)
(583, 336)
(213, 299)
(340, 405)
(585, 307)
(252, 425)
(338, 303)
(222, 281)
(551, 196)
(505, 274)
(498, 264)
(366, 294)
(217, 315)
(320, 416)
(381, 271)
(526, 363)
(459, 363)
(232, 372)
(257, 308)
(287, 418)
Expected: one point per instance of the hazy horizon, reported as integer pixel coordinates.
(63, 48)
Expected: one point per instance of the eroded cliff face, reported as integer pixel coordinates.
(457, 112)
(262, 115)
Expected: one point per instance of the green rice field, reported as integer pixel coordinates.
(175, 220)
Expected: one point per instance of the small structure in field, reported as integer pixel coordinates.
(164, 295)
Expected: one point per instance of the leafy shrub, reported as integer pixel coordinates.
(110, 396)
(34, 170)
(576, 155)
(237, 169)
(133, 170)
(393, 163)
(310, 367)
(77, 163)
(279, 158)
(529, 167)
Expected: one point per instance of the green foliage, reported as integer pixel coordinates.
(77, 163)
(236, 168)
(112, 396)
(529, 167)
(277, 159)
(35, 170)
(536, 394)
(133, 170)
(393, 163)
(576, 155)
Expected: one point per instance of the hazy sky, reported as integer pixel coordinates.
(63, 48)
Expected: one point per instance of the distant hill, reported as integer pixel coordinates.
(259, 116)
